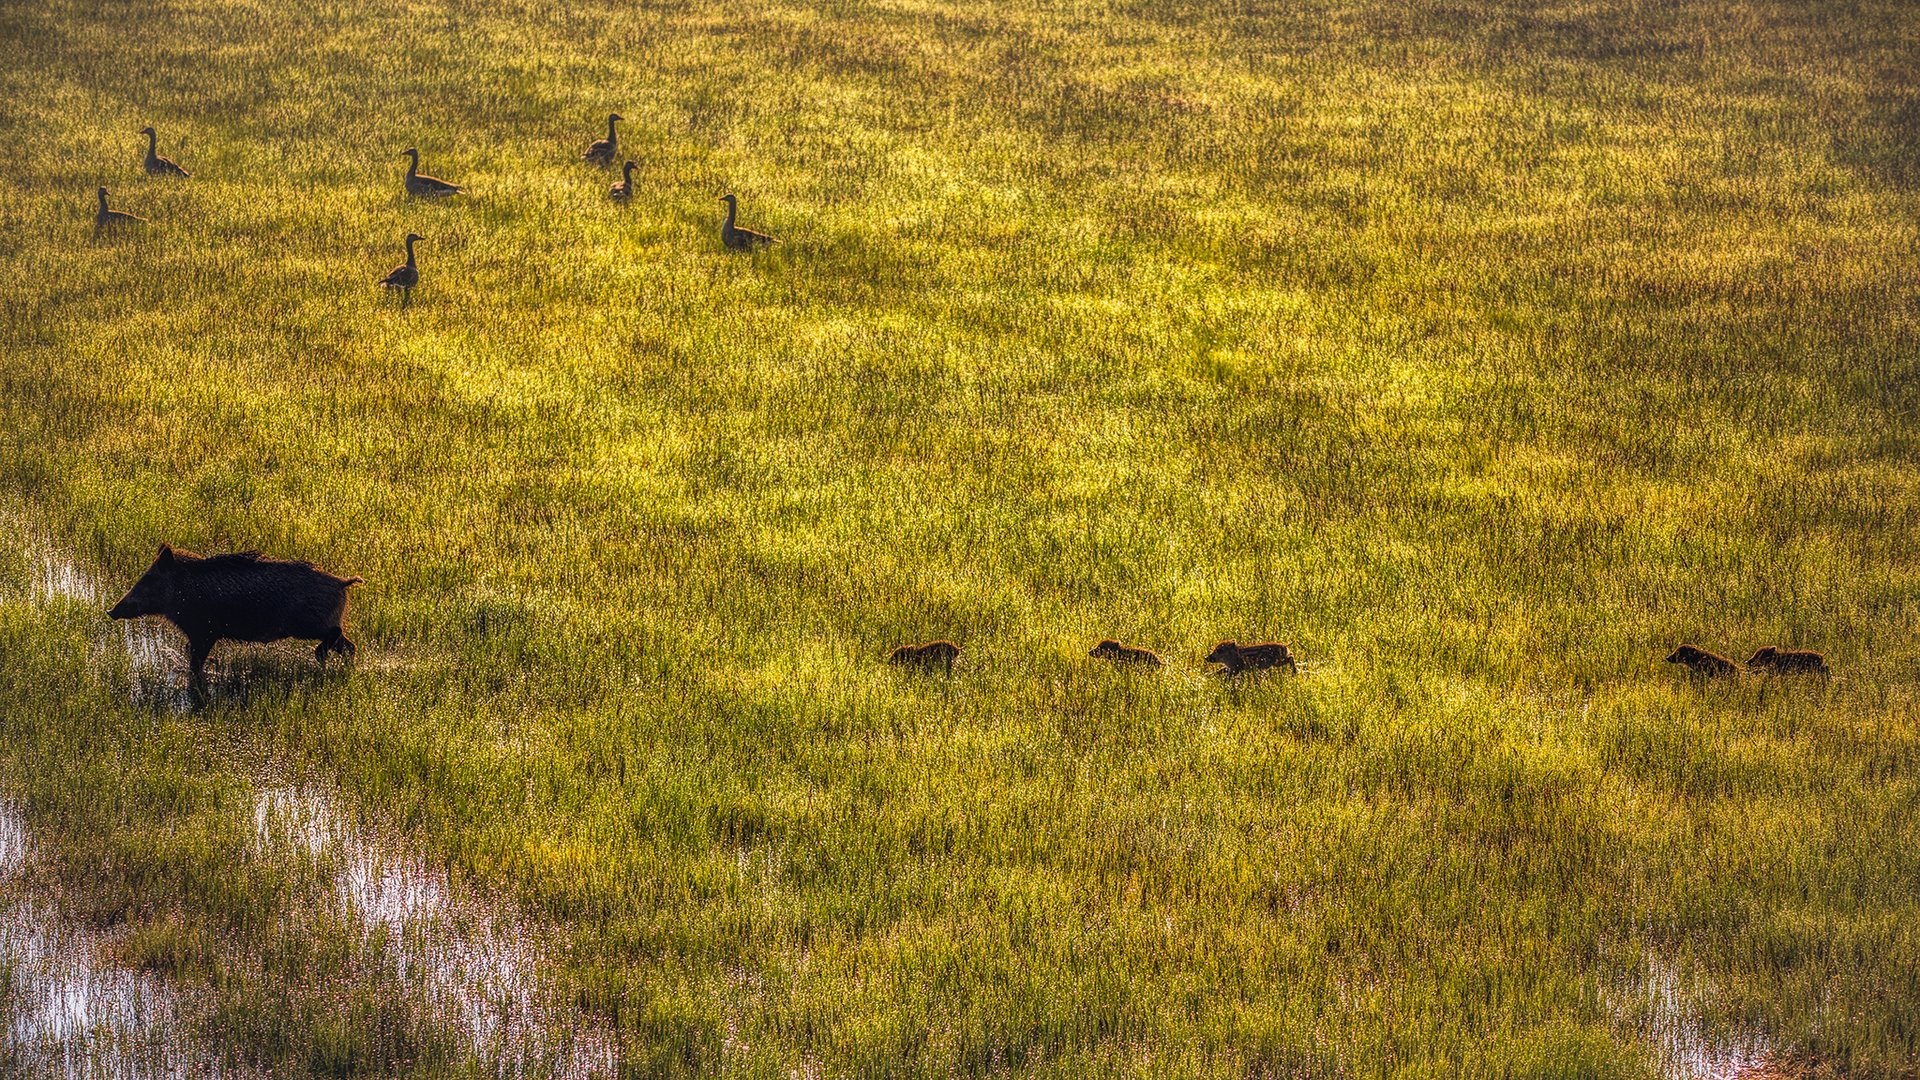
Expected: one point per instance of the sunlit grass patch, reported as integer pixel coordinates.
(1482, 354)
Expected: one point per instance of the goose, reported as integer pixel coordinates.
(405, 276)
(106, 219)
(735, 237)
(622, 190)
(419, 183)
(157, 165)
(603, 151)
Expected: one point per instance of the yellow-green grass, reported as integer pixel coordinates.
(1482, 352)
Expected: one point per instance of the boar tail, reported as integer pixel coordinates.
(352, 581)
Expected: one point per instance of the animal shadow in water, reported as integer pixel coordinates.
(242, 675)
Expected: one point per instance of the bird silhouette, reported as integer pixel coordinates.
(104, 218)
(735, 237)
(603, 151)
(405, 276)
(157, 165)
(622, 189)
(419, 183)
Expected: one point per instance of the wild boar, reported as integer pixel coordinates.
(941, 653)
(1702, 663)
(1780, 661)
(1117, 653)
(1263, 656)
(240, 597)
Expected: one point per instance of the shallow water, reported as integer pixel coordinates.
(69, 1013)
(156, 661)
(156, 664)
(51, 578)
(477, 965)
(1666, 1013)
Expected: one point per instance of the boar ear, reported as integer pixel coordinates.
(166, 554)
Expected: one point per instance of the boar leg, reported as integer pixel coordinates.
(197, 650)
(337, 643)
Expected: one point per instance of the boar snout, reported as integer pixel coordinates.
(136, 604)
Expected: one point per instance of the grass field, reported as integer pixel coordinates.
(1483, 352)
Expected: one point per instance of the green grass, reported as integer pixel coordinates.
(1482, 352)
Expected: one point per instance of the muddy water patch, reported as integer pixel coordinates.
(1665, 1010)
(146, 650)
(156, 665)
(476, 965)
(154, 661)
(51, 579)
(65, 1010)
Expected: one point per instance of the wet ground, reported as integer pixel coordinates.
(477, 964)
(155, 658)
(1666, 1012)
(68, 1012)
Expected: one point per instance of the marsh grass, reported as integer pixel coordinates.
(1482, 353)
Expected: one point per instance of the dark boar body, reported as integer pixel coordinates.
(240, 597)
(1114, 652)
(1780, 661)
(930, 655)
(1263, 656)
(1703, 664)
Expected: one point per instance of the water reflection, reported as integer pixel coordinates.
(1667, 1014)
(69, 1013)
(477, 966)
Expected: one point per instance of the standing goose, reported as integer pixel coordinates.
(105, 219)
(603, 151)
(405, 276)
(157, 165)
(622, 190)
(735, 237)
(418, 183)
